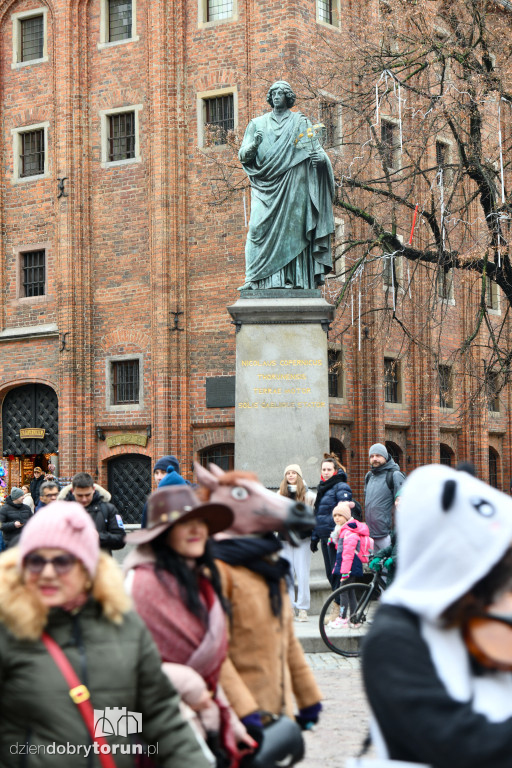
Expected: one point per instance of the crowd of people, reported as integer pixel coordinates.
(190, 656)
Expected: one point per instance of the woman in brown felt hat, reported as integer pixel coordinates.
(176, 590)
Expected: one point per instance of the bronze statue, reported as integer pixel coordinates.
(292, 187)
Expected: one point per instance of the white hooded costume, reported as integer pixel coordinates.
(430, 701)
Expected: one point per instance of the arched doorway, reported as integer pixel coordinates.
(129, 483)
(395, 452)
(446, 455)
(337, 447)
(30, 430)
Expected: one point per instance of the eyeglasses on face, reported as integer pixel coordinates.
(61, 563)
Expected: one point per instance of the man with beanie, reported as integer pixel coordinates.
(166, 467)
(381, 485)
(13, 516)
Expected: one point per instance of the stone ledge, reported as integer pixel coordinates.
(282, 293)
(282, 311)
(29, 332)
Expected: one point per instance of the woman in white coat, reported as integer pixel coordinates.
(294, 487)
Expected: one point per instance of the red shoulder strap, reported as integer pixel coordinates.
(80, 696)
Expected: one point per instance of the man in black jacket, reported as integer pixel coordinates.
(13, 516)
(104, 515)
(35, 484)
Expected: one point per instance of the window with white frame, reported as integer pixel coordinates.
(30, 152)
(124, 382)
(216, 116)
(117, 22)
(216, 10)
(120, 135)
(29, 37)
(328, 12)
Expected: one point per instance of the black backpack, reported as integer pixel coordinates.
(389, 478)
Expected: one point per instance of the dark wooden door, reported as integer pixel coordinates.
(129, 482)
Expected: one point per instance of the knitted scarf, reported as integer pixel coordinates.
(258, 555)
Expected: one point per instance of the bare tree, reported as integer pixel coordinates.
(426, 100)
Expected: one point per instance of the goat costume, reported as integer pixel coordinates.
(432, 703)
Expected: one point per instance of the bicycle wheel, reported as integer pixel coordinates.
(346, 637)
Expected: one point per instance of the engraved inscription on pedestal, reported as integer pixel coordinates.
(282, 408)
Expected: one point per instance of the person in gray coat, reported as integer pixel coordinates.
(381, 485)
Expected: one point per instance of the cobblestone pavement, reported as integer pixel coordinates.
(343, 723)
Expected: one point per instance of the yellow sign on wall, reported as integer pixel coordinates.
(32, 432)
(127, 439)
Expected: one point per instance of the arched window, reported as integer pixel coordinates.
(494, 460)
(223, 455)
(446, 455)
(337, 447)
(394, 451)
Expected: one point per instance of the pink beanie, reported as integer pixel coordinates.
(62, 525)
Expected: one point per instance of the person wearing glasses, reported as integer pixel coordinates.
(47, 493)
(62, 606)
(437, 659)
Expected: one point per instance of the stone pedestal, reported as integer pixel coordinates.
(282, 403)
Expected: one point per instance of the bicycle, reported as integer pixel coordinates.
(361, 599)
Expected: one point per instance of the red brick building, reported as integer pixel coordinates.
(121, 250)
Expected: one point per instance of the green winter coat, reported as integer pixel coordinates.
(112, 653)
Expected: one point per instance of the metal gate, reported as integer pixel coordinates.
(29, 406)
(129, 482)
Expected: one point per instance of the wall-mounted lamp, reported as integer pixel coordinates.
(148, 431)
(100, 433)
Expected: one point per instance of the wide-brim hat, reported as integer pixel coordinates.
(173, 504)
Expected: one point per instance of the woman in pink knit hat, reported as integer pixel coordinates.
(79, 672)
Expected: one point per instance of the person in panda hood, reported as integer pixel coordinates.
(437, 660)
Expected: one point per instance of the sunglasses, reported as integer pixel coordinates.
(61, 563)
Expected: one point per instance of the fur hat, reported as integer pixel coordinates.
(16, 493)
(177, 503)
(62, 525)
(380, 450)
(293, 468)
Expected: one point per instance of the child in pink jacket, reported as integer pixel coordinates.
(353, 547)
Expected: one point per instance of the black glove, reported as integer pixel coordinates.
(313, 545)
(308, 716)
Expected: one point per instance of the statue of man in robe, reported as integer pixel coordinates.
(292, 188)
